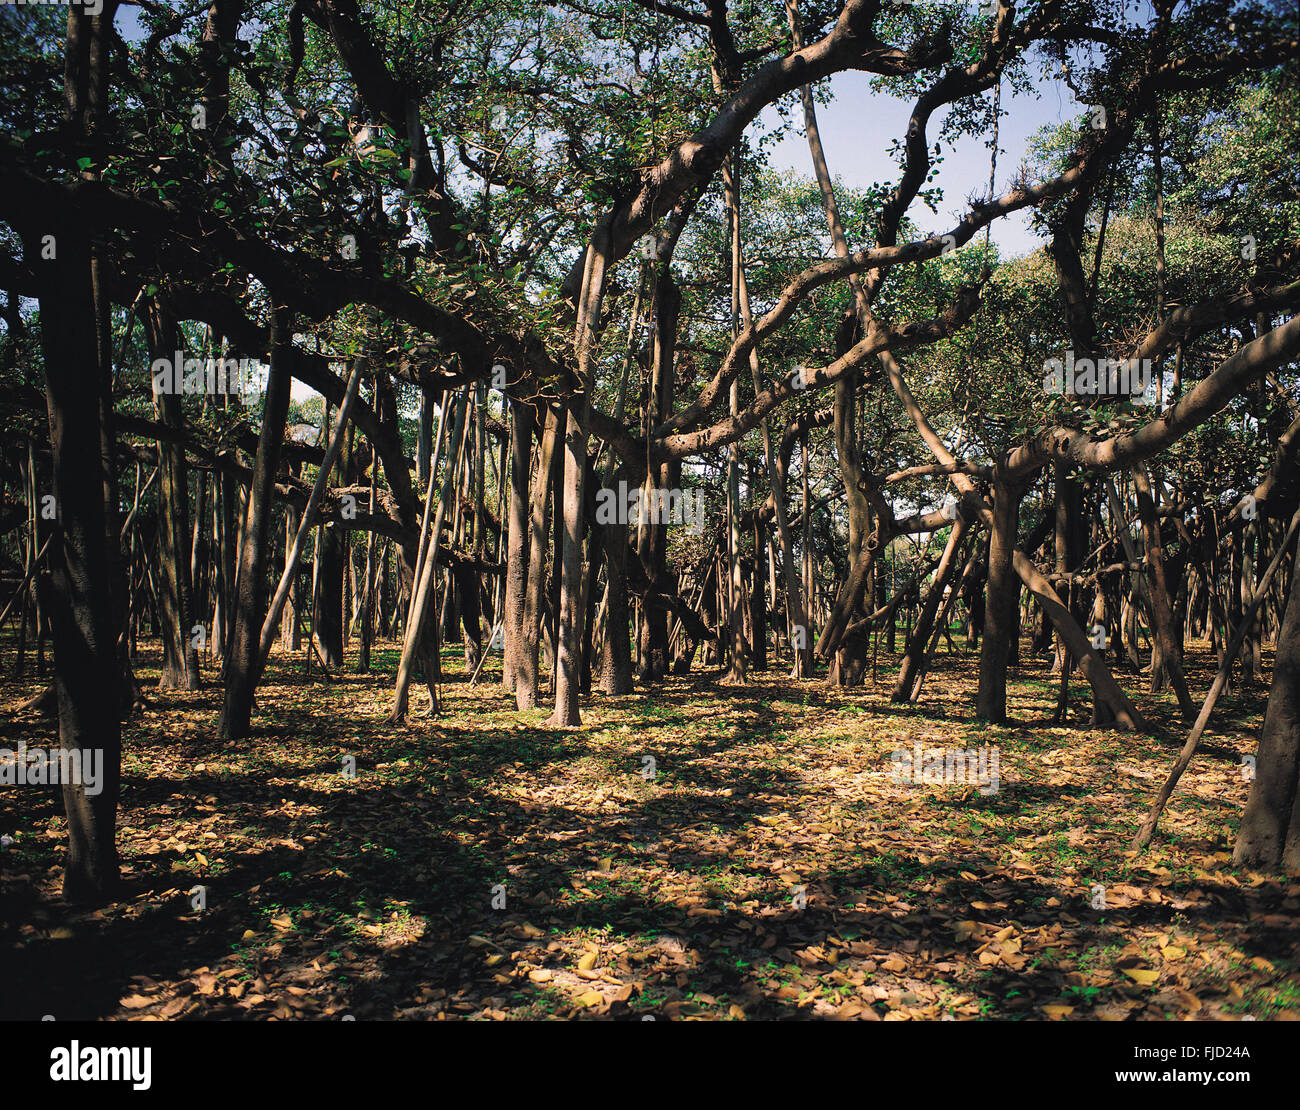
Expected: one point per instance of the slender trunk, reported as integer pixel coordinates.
(1250, 646)
(941, 628)
(568, 648)
(289, 636)
(1167, 650)
(757, 599)
(523, 423)
(180, 665)
(1002, 594)
(616, 660)
(595, 552)
(241, 667)
(914, 659)
(425, 572)
(327, 620)
(543, 481)
(280, 597)
(465, 577)
(737, 663)
(367, 616)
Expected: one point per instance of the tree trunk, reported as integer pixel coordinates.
(1269, 839)
(737, 661)
(425, 569)
(757, 598)
(1167, 650)
(368, 587)
(521, 436)
(465, 578)
(180, 664)
(327, 618)
(568, 648)
(1250, 650)
(544, 479)
(916, 648)
(616, 659)
(241, 667)
(290, 637)
(87, 677)
(1003, 592)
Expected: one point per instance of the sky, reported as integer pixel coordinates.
(858, 126)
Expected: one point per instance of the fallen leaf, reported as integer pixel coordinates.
(1142, 975)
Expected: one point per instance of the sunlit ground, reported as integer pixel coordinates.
(693, 850)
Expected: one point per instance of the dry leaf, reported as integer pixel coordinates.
(1142, 975)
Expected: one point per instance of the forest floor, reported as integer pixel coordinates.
(766, 864)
